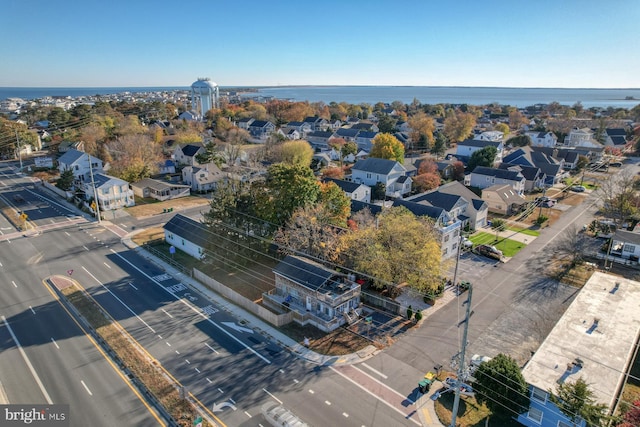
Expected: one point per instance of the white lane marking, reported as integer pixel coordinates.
(166, 312)
(374, 370)
(14, 284)
(248, 414)
(344, 414)
(86, 388)
(295, 381)
(160, 336)
(32, 310)
(168, 343)
(67, 233)
(119, 300)
(232, 401)
(382, 384)
(233, 337)
(55, 343)
(85, 248)
(220, 390)
(28, 362)
(187, 360)
(275, 398)
(281, 371)
(211, 348)
(177, 352)
(123, 225)
(311, 391)
(106, 265)
(131, 284)
(372, 394)
(327, 402)
(197, 370)
(209, 381)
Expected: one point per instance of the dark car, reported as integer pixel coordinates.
(578, 188)
(616, 164)
(488, 251)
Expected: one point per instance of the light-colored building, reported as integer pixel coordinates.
(542, 139)
(469, 146)
(483, 177)
(159, 190)
(392, 174)
(112, 193)
(595, 340)
(205, 95)
(581, 138)
(353, 190)
(82, 165)
(202, 178)
(188, 235)
(503, 199)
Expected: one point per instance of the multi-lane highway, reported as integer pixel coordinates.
(232, 370)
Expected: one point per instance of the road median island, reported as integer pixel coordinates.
(159, 386)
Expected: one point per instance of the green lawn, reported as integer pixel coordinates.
(526, 231)
(508, 247)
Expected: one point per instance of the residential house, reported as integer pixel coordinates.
(261, 129)
(491, 135)
(291, 134)
(616, 137)
(596, 340)
(483, 177)
(447, 226)
(353, 190)
(166, 167)
(534, 177)
(365, 140)
(159, 190)
(189, 236)
(365, 127)
(245, 123)
(569, 157)
(543, 139)
(302, 128)
(189, 116)
(503, 199)
(469, 146)
(335, 125)
(186, 154)
(626, 245)
(581, 138)
(319, 140)
(445, 169)
(112, 193)
(346, 134)
(320, 296)
(392, 174)
(82, 165)
(316, 123)
(459, 202)
(65, 146)
(203, 178)
(403, 126)
(541, 157)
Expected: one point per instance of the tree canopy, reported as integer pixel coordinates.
(500, 385)
(400, 249)
(483, 157)
(387, 146)
(296, 152)
(458, 125)
(576, 401)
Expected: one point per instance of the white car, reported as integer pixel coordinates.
(477, 360)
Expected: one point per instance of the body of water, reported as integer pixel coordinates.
(519, 97)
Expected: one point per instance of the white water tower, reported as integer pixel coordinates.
(204, 96)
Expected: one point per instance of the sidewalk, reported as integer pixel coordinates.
(424, 405)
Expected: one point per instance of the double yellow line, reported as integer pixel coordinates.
(139, 348)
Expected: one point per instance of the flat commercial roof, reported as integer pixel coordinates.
(595, 338)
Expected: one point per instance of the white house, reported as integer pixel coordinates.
(202, 178)
(188, 235)
(469, 146)
(491, 135)
(543, 139)
(112, 193)
(353, 190)
(392, 174)
(81, 163)
(483, 177)
(186, 154)
(595, 340)
(581, 138)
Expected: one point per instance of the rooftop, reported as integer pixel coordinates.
(594, 339)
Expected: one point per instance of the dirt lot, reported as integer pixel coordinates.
(148, 207)
(339, 342)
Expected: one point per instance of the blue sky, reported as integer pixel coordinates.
(542, 43)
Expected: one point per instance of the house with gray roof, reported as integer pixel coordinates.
(261, 129)
(186, 234)
(159, 190)
(186, 154)
(346, 134)
(81, 164)
(319, 139)
(203, 178)
(616, 137)
(352, 190)
(364, 140)
(112, 193)
(469, 146)
(503, 199)
(319, 295)
(542, 139)
(484, 177)
(392, 174)
(316, 123)
(541, 157)
(535, 178)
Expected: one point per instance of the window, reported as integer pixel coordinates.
(446, 238)
(629, 248)
(539, 395)
(535, 414)
(563, 424)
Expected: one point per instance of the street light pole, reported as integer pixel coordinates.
(19, 150)
(462, 368)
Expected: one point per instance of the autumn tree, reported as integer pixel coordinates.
(333, 172)
(499, 384)
(234, 139)
(387, 146)
(517, 120)
(134, 157)
(458, 170)
(619, 197)
(296, 152)
(386, 123)
(502, 127)
(426, 181)
(336, 204)
(483, 157)
(381, 252)
(576, 401)
(422, 128)
(427, 166)
(309, 231)
(631, 417)
(458, 125)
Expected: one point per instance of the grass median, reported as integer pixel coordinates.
(143, 366)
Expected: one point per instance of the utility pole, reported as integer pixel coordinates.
(19, 149)
(95, 192)
(462, 368)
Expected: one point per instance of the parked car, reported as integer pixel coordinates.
(466, 243)
(488, 251)
(616, 164)
(477, 360)
(546, 202)
(578, 188)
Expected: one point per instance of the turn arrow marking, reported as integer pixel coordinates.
(237, 327)
(218, 407)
